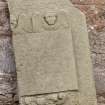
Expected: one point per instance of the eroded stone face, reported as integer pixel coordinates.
(50, 18)
(52, 52)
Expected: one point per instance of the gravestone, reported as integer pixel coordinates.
(52, 54)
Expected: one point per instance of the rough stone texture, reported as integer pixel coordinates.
(49, 63)
(7, 67)
(95, 12)
(62, 98)
(48, 12)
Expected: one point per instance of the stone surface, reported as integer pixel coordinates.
(48, 52)
(95, 13)
(37, 27)
(7, 67)
(93, 23)
(51, 62)
(66, 99)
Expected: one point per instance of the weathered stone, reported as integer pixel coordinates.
(52, 52)
(48, 55)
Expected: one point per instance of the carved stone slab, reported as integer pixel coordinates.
(52, 51)
(44, 50)
(45, 60)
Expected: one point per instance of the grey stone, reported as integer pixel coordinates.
(52, 51)
(45, 59)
